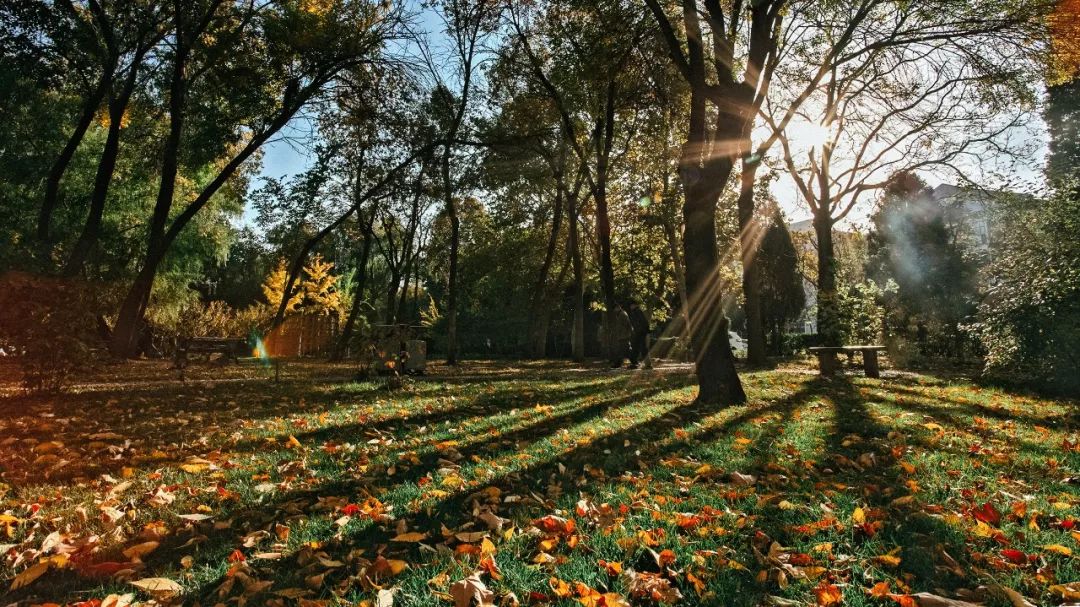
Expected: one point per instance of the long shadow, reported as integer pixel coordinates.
(485, 405)
(1072, 418)
(654, 437)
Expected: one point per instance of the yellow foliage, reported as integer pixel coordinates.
(1064, 24)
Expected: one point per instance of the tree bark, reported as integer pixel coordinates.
(60, 165)
(91, 231)
(358, 291)
(577, 335)
(540, 300)
(827, 305)
(703, 180)
(129, 321)
(605, 132)
(682, 317)
(749, 241)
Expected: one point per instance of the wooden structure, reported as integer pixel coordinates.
(302, 335)
(230, 348)
(828, 365)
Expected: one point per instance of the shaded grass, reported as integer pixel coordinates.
(915, 452)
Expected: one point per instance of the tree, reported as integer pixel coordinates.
(915, 89)
(274, 289)
(303, 46)
(911, 245)
(591, 52)
(466, 22)
(708, 157)
(780, 282)
(1029, 320)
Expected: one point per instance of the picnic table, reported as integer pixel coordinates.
(231, 348)
(827, 363)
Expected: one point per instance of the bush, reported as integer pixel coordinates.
(796, 343)
(1029, 321)
(49, 326)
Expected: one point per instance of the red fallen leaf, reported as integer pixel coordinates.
(538, 597)
(987, 513)
(1014, 556)
(904, 600)
(1067, 524)
(488, 564)
(870, 528)
(105, 569)
(800, 559)
(666, 557)
(827, 594)
(471, 549)
(555, 524)
(350, 509)
(237, 556)
(687, 521)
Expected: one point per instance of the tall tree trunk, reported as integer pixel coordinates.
(605, 131)
(682, 318)
(577, 335)
(452, 286)
(827, 305)
(60, 165)
(540, 300)
(703, 180)
(129, 321)
(106, 167)
(358, 290)
(391, 295)
(749, 241)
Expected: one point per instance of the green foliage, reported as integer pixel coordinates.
(859, 312)
(781, 284)
(1029, 321)
(912, 249)
(1062, 116)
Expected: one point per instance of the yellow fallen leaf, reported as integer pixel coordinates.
(1058, 548)
(28, 575)
(858, 516)
(410, 537)
(138, 551)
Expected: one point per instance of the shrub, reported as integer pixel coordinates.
(1029, 321)
(49, 326)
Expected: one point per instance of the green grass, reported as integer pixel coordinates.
(844, 472)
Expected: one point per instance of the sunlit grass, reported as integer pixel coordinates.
(840, 473)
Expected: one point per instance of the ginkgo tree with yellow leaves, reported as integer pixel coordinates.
(317, 292)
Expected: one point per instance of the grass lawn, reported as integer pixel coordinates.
(561, 486)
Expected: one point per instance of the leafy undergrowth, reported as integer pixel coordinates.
(540, 485)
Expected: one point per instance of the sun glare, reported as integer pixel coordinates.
(807, 135)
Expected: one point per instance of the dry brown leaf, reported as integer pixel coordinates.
(160, 588)
(469, 589)
(926, 599)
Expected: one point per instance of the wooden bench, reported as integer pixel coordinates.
(231, 348)
(828, 365)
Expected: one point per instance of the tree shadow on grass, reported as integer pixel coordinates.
(672, 429)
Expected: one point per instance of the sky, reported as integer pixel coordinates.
(286, 155)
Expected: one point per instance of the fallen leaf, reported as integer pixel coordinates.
(471, 588)
(159, 587)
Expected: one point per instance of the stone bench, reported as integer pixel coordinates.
(828, 364)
